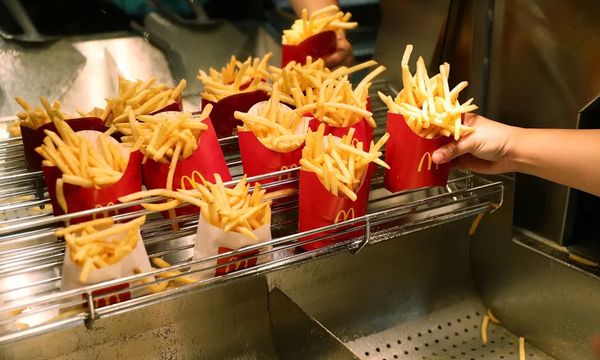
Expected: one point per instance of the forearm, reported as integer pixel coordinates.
(310, 5)
(568, 157)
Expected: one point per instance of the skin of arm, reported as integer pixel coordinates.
(565, 156)
(343, 54)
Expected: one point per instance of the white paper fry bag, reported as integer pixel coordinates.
(136, 259)
(211, 240)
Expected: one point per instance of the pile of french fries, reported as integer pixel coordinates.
(79, 160)
(36, 117)
(328, 95)
(236, 77)
(99, 243)
(427, 104)
(275, 125)
(231, 209)
(325, 19)
(164, 137)
(340, 163)
(143, 97)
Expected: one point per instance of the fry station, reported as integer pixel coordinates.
(302, 179)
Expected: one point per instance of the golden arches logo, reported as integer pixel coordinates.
(429, 162)
(236, 262)
(355, 142)
(105, 214)
(344, 215)
(288, 175)
(242, 264)
(112, 299)
(193, 180)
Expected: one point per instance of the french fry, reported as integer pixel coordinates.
(164, 137)
(231, 209)
(79, 161)
(339, 163)
(276, 126)
(98, 243)
(427, 104)
(329, 18)
(36, 117)
(142, 97)
(235, 77)
(328, 95)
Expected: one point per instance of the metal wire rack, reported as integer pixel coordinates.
(31, 257)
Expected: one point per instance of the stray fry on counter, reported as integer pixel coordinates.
(36, 117)
(236, 77)
(143, 97)
(164, 137)
(427, 104)
(522, 348)
(79, 161)
(231, 209)
(340, 163)
(275, 125)
(325, 19)
(93, 244)
(487, 317)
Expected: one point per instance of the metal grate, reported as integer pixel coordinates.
(31, 257)
(450, 333)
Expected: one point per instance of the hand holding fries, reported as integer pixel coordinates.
(142, 97)
(340, 163)
(96, 244)
(427, 104)
(329, 18)
(234, 78)
(276, 126)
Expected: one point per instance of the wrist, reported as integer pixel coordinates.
(515, 150)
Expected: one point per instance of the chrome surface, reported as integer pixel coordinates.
(543, 72)
(534, 290)
(299, 336)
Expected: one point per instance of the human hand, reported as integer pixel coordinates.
(343, 54)
(487, 150)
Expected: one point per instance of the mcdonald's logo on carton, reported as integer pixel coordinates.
(344, 215)
(193, 180)
(288, 175)
(427, 156)
(236, 262)
(105, 214)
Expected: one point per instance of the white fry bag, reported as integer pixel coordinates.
(211, 240)
(136, 259)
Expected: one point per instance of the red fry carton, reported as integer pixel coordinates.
(136, 260)
(207, 160)
(363, 131)
(224, 122)
(34, 138)
(316, 46)
(319, 207)
(409, 158)
(79, 198)
(258, 159)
